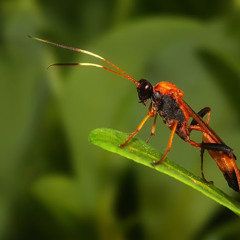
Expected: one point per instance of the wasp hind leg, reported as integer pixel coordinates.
(202, 113)
(204, 146)
(203, 177)
(214, 147)
(219, 147)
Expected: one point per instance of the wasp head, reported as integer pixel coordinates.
(145, 91)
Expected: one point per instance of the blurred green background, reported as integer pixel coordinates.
(56, 185)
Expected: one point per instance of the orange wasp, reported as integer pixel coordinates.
(166, 101)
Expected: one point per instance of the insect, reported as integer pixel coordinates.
(166, 101)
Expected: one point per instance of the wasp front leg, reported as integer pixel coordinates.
(153, 128)
(151, 113)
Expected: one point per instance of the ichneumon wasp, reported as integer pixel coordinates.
(166, 101)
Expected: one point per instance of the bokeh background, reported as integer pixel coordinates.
(53, 183)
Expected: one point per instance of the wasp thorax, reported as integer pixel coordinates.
(145, 90)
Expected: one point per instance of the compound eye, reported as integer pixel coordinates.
(145, 90)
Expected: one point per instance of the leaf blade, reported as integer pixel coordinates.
(138, 151)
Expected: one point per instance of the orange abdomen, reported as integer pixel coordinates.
(226, 164)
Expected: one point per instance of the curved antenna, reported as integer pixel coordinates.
(94, 65)
(123, 73)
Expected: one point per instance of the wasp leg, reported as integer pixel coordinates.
(214, 147)
(219, 147)
(194, 126)
(151, 113)
(203, 177)
(153, 129)
(169, 144)
(202, 113)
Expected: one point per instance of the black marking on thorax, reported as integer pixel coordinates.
(169, 110)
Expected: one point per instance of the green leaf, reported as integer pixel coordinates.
(138, 151)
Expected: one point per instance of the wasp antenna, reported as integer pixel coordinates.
(124, 74)
(94, 65)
